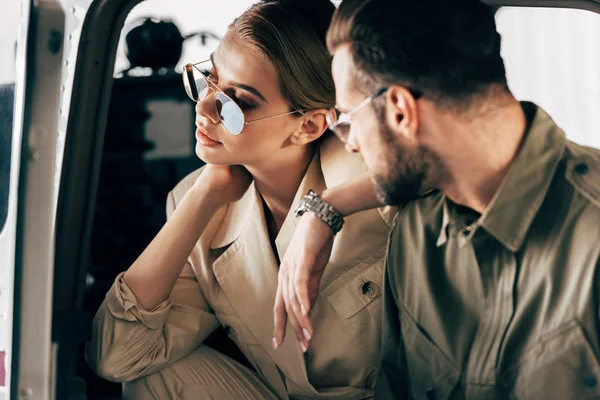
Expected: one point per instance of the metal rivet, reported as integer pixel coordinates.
(581, 169)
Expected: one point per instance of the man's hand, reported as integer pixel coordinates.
(300, 273)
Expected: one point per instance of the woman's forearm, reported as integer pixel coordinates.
(353, 196)
(153, 275)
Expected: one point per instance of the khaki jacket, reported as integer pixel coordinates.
(230, 279)
(502, 305)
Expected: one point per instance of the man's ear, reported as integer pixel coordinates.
(313, 126)
(401, 112)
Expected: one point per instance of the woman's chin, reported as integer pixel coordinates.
(210, 156)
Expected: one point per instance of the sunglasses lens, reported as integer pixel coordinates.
(332, 117)
(186, 75)
(231, 116)
(194, 82)
(339, 123)
(342, 130)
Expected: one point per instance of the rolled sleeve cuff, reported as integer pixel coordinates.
(123, 305)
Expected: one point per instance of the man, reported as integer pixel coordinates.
(491, 288)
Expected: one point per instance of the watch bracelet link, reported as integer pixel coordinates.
(322, 209)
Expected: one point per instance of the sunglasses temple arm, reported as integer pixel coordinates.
(273, 116)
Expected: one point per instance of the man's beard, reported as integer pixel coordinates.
(405, 172)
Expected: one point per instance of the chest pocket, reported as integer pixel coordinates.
(432, 374)
(561, 366)
(357, 304)
(361, 294)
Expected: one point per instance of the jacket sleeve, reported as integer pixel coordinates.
(129, 342)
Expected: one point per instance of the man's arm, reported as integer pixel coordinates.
(307, 255)
(353, 196)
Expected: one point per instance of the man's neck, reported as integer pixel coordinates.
(476, 154)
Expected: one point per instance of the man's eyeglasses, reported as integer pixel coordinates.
(340, 122)
(197, 79)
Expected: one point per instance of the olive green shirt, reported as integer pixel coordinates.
(502, 305)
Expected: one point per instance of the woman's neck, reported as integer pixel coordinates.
(278, 180)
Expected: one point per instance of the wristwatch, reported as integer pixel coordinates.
(322, 209)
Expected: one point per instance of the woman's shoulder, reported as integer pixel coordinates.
(338, 164)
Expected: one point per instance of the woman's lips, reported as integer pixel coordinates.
(205, 140)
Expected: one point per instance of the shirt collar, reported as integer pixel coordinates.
(518, 199)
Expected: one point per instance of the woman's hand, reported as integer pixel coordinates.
(300, 274)
(225, 183)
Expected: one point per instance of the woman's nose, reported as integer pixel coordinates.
(208, 107)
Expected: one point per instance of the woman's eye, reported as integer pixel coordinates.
(209, 75)
(244, 105)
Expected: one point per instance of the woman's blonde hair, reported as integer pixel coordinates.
(291, 33)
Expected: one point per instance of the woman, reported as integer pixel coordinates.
(215, 262)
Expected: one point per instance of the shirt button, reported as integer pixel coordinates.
(369, 289)
(589, 381)
(430, 394)
(581, 169)
(468, 230)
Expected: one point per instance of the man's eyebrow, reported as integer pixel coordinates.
(247, 88)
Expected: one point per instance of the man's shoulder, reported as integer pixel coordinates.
(582, 171)
(419, 211)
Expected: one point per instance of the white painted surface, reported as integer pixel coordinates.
(552, 57)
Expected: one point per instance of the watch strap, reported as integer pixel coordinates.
(322, 209)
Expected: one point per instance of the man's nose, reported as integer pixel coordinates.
(208, 107)
(351, 144)
(352, 148)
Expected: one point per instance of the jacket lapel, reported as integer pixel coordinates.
(247, 272)
(313, 179)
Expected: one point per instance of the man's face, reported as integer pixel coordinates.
(398, 166)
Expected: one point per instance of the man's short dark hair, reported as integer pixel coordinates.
(448, 50)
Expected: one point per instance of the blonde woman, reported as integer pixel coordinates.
(261, 109)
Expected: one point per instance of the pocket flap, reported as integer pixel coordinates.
(359, 292)
(432, 373)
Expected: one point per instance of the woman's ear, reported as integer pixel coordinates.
(313, 126)
(401, 112)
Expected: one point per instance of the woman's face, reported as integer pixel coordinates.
(250, 79)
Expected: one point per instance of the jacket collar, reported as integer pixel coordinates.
(518, 199)
(331, 165)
